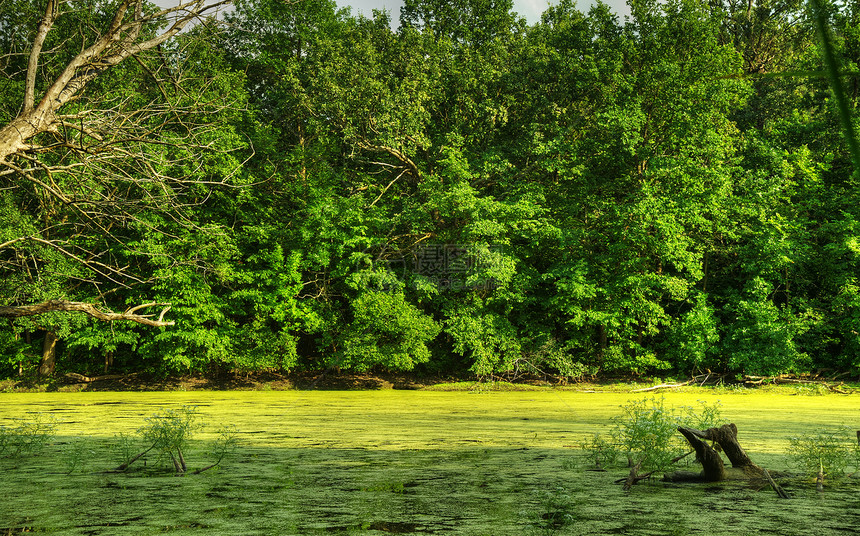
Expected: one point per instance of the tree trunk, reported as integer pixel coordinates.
(632, 477)
(726, 437)
(713, 469)
(602, 339)
(49, 354)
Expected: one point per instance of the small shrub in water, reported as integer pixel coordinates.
(76, 455)
(601, 451)
(125, 447)
(556, 510)
(225, 444)
(823, 453)
(646, 433)
(168, 433)
(26, 437)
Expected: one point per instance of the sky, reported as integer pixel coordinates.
(530, 9)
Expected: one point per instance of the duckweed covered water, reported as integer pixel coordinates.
(404, 462)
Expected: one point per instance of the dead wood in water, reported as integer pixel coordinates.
(713, 468)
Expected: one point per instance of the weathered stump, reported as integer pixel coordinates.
(713, 469)
(726, 437)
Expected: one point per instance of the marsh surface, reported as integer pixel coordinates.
(408, 462)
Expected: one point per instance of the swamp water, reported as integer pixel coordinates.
(407, 462)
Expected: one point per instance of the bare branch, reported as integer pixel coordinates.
(396, 153)
(94, 181)
(50, 306)
(118, 42)
(33, 61)
(106, 271)
(387, 187)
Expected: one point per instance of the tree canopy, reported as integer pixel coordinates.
(307, 188)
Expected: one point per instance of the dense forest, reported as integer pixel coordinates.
(289, 186)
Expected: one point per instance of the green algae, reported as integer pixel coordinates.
(409, 462)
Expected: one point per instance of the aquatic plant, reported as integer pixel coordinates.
(646, 431)
(26, 437)
(168, 433)
(824, 453)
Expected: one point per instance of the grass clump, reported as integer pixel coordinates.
(555, 511)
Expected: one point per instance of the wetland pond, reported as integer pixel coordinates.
(409, 462)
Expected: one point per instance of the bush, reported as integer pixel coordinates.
(386, 330)
(169, 433)
(827, 453)
(646, 432)
(555, 358)
(601, 452)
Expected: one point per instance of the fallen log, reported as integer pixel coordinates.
(699, 380)
(662, 386)
(787, 379)
(89, 379)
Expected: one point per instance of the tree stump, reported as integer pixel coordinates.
(713, 469)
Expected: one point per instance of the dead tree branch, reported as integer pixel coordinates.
(50, 306)
(119, 41)
(90, 170)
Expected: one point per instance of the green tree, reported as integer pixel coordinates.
(643, 142)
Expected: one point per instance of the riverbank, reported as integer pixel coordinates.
(343, 381)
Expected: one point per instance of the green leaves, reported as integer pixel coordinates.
(693, 337)
(170, 430)
(761, 340)
(828, 452)
(490, 341)
(615, 196)
(385, 331)
(26, 437)
(646, 432)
